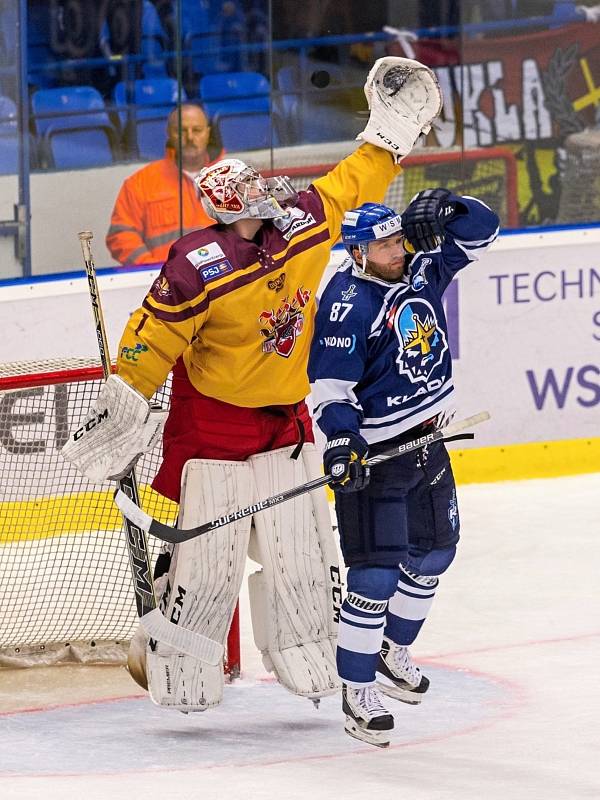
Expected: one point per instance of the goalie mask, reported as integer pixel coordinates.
(369, 223)
(231, 190)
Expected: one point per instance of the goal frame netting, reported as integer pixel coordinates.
(66, 593)
(488, 173)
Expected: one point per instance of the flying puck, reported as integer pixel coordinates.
(320, 78)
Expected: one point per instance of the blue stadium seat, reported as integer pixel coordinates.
(234, 93)
(8, 115)
(74, 128)
(247, 130)
(9, 154)
(9, 137)
(201, 37)
(154, 64)
(150, 103)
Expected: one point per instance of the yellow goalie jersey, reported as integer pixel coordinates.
(241, 313)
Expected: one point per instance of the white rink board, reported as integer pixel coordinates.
(529, 338)
(524, 323)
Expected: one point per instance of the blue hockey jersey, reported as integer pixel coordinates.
(380, 362)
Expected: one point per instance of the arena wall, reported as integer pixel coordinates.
(524, 331)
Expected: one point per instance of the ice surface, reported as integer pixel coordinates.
(512, 648)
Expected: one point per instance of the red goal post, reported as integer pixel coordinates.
(65, 581)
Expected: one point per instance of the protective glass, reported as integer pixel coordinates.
(265, 198)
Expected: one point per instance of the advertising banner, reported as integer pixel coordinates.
(524, 331)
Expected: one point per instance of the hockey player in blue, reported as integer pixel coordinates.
(381, 373)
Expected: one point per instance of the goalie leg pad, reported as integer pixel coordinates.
(136, 655)
(295, 598)
(203, 582)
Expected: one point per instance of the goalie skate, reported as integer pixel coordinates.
(398, 676)
(367, 719)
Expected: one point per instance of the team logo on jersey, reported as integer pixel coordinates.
(205, 254)
(418, 281)
(161, 287)
(277, 283)
(349, 293)
(423, 342)
(281, 328)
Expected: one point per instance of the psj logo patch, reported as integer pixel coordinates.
(216, 270)
(423, 342)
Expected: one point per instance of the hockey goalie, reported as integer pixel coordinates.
(231, 315)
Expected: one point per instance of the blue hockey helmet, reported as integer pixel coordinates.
(365, 224)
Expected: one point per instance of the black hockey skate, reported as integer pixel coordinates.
(398, 676)
(367, 718)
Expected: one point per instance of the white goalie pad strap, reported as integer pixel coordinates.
(295, 599)
(203, 582)
(404, 98)
(120, 426)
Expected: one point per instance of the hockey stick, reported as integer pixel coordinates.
(145, 522)
(151, 618)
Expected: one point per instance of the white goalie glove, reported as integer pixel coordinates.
(120, 427)
(404, 98)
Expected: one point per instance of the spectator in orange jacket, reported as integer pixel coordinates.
(145, 218)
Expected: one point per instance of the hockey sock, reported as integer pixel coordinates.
(360, 635)
(408, 608)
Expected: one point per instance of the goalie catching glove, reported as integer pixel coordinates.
(119, 428)
(345, 460)
(404, 98)
(425, 218)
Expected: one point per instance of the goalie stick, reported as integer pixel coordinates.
(145, 522)
(152, 620)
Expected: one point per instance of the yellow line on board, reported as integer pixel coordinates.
(77, 513)
(95, 511)
(515, 462)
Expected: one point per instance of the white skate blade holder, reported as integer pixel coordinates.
(390, 689)
(377, 738)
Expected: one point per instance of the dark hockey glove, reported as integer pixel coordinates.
(344, 460)
(424, 219)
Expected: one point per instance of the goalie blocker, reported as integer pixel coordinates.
(120, 426)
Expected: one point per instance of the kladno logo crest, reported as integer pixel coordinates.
(281, 328)
(423, 342)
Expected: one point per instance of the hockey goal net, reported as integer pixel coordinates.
(489, 173)
(65, 583)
